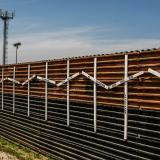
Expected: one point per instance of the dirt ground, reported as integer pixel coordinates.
(6, 156)
(10, 150)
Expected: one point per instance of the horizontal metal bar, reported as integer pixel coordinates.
(95, 80)
(38, 78)
(68, 79)
(45, 80)
(29, 79)
(10, 79)
(154, 72)
(126, 80)
(94, 143)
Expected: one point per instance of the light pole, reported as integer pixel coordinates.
(17, 46)
(5, 16)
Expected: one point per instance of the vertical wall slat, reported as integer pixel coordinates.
(126, 98)
(95, 95)
(46, 92)
(68, 112)
(29, 68)
(2, 88)
(14, 70)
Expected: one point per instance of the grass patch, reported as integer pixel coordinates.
(20, 151)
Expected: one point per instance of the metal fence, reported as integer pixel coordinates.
(115, 83)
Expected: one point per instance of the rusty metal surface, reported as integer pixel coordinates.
(79, 141)
(143, 91)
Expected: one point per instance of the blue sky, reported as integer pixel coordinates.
(64, 28)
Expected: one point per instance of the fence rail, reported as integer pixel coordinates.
(123, 80)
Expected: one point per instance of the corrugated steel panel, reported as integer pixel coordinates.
(79, 141)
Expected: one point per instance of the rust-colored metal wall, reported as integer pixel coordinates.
(144, 91)
(91, 134)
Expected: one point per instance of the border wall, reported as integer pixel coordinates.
(93, 107)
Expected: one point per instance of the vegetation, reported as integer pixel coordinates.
(20, 152)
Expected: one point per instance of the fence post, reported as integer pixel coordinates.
(29, 68)
(68, 112)
(14, 69)
(95, 95)
(2, 89)
(126, 98)
(46, 92)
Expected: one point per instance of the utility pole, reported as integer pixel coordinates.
(5, 16)
(17, 46)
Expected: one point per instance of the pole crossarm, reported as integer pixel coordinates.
(10, 79)
(95, 80)
(68, 79)
(126, 80)
(153, 72)
(38, 78)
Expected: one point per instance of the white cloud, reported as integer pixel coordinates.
(71, 42)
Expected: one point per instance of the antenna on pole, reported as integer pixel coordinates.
(5, 16)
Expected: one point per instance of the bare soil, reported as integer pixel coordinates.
(6, 156)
